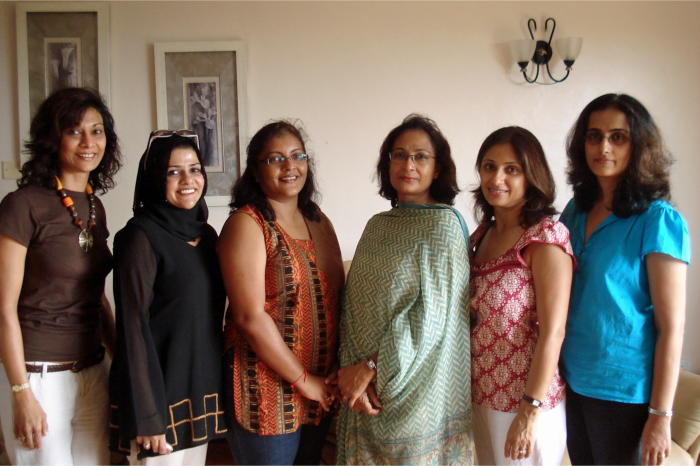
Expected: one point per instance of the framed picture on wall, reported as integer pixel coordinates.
(202, 86)
(59, 44)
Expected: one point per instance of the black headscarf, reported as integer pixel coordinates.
(149, 195)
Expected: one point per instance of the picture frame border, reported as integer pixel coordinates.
(236, 46)
(103, 53)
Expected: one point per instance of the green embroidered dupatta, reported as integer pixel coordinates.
(407, 297)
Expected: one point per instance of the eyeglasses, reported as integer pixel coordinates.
(616, 138)
(166, 133)
(418, 159)
(278, 159)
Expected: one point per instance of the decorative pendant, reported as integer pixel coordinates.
(85, 240)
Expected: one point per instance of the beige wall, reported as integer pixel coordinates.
(353, 70)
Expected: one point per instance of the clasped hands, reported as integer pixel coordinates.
(354, 384)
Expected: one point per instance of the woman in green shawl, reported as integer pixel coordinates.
(405, 350)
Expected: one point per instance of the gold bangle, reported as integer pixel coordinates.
(19, 387)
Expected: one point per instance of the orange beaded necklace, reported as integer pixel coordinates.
(85, 239)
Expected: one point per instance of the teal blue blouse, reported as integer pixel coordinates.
(608, 351)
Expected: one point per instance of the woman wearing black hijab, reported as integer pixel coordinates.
(165, 381)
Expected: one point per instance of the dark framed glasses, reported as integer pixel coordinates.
(166, 133)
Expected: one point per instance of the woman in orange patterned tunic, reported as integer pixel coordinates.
(521, 268)
(283, 273)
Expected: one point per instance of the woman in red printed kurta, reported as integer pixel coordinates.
(521, 267)
(283, 272)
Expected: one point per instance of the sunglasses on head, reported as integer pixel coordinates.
(166, 133)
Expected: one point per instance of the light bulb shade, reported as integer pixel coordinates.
(522, 50)
(569, 48)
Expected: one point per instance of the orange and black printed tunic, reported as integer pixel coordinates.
(303, 299)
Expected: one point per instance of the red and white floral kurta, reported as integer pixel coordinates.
(504, 321)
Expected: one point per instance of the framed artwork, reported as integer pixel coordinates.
(59, 44)
(201, 86)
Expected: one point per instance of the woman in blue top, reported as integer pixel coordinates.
(624, 333)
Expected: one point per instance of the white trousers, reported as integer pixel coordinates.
(491, 429)
(77, 412)
(188, 456)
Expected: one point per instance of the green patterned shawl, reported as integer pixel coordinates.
(407, 297)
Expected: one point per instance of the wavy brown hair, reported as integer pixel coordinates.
(540, 193)
(444, 188)
(62, 110)
(247, 190)
(646, 178)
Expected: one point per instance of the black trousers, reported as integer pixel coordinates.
(604, 432)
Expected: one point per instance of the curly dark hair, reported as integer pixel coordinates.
(63, 110)
(540, 193)
(247, 190)
(444, 188)
(646, 178)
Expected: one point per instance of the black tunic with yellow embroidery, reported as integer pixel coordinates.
(166, 374)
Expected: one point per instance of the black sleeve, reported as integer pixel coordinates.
(135, 269)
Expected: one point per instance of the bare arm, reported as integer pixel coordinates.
(29, 418)
(242, 257)
(552, 270)
(667, 283)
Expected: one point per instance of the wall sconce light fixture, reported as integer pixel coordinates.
(540, 52)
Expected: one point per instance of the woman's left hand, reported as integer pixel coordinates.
(656, 440)
(353, 381)
(522, 432)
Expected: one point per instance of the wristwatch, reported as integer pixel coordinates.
(534, 402)
(19, 387)
(371, 364)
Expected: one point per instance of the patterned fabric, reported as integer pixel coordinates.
(504, 321)
(407, 298)
(297, 297)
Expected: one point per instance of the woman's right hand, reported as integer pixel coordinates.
(353, 381)
(315, 388)
(29, 420)
(156, 443)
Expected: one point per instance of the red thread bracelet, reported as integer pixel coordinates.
(303, 374)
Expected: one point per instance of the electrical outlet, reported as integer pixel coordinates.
(10, 170)
(685, 364)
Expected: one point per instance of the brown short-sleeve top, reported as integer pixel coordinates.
(62, 287)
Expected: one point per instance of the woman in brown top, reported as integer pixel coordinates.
(54, 259)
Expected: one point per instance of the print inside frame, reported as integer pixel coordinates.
(64, 58)
(202, 101)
